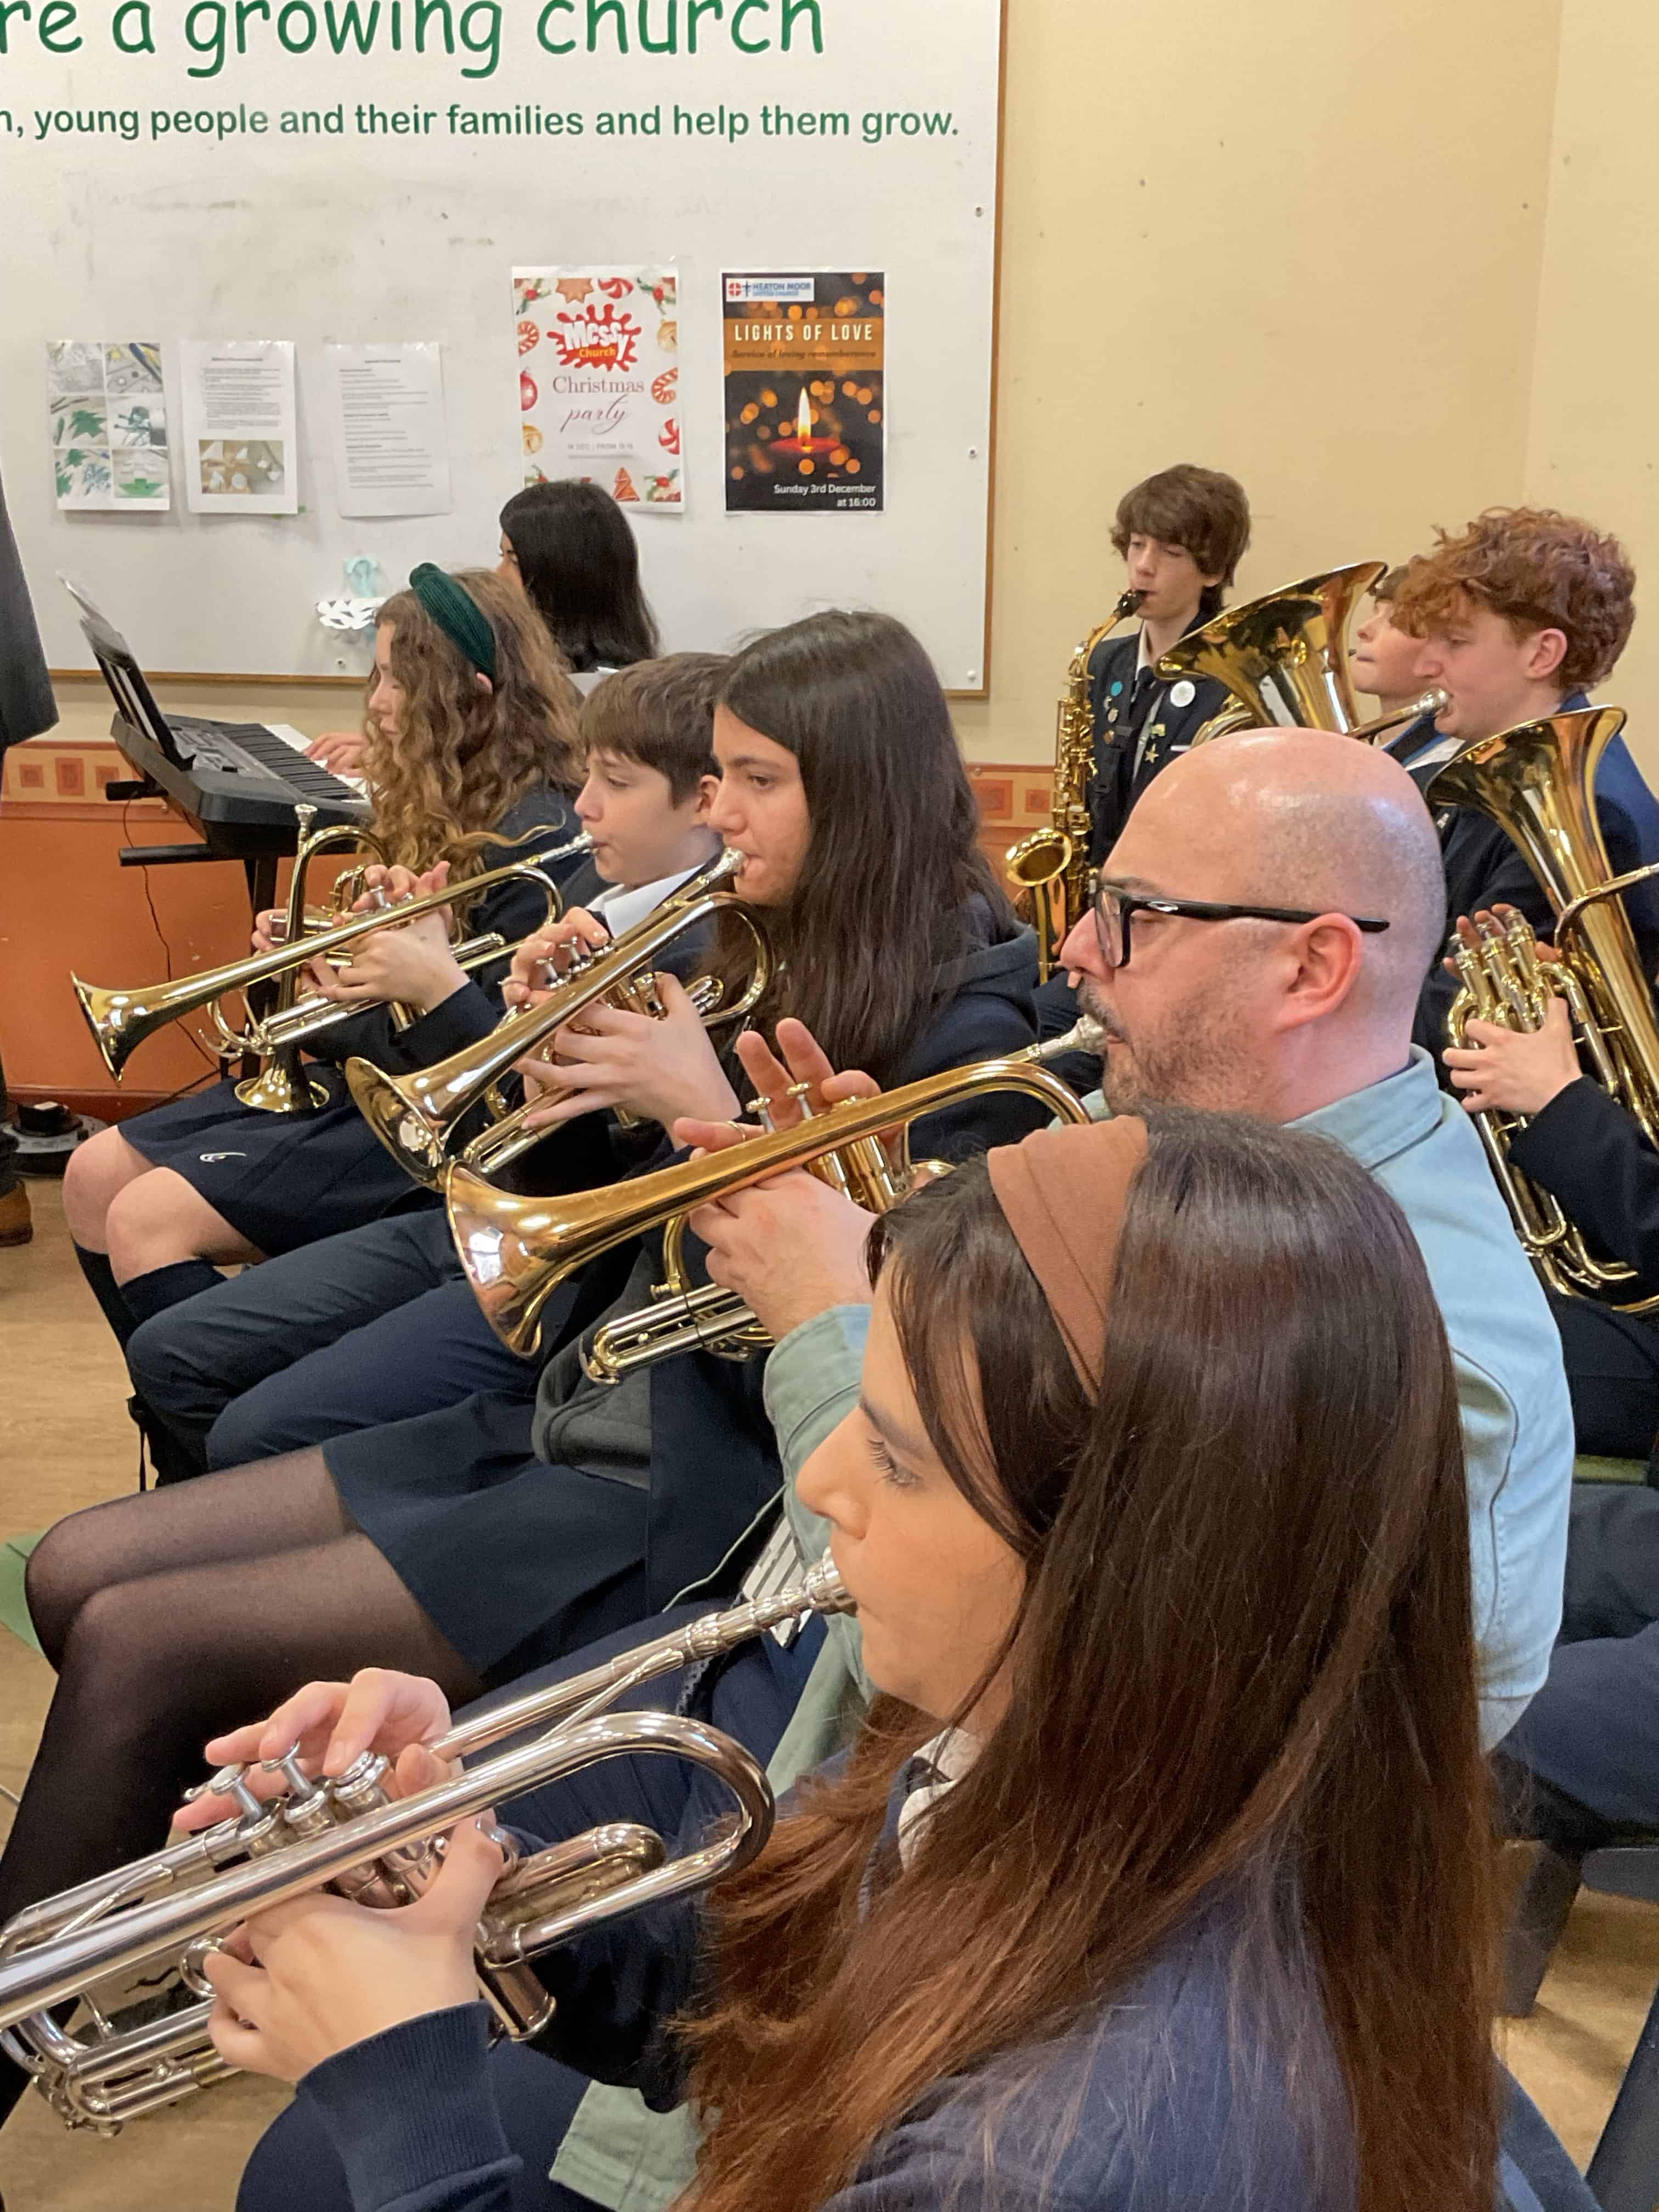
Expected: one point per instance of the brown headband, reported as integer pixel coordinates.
(1062, 1192)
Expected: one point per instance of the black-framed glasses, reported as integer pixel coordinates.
(1113, 909)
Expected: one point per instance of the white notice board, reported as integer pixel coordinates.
(379, 194)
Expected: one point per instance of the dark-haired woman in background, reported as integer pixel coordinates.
(475, 1542)
(1161, 1873)
(571, 547)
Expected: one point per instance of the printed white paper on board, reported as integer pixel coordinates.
(386, 428)
(599, 352)
(107, 409)
(240, 441)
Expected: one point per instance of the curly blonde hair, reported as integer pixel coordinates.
(1539, 569)
(466, 756)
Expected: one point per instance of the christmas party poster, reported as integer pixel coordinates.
(805, 413)
(598, 379)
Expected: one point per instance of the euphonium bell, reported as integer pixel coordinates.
(516, 1251)
(1284, 658)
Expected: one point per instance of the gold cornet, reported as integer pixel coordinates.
(417, 1116)
(516, 1251)
(349, 1836)
(121, 1020)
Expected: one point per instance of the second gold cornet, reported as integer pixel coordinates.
(121, 1019)
(516, 1251)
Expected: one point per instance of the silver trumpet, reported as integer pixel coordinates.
(349, 1835)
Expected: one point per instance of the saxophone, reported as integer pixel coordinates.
(1053, 864)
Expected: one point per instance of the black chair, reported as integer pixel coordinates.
(1624, 2173)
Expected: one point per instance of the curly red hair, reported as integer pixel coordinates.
(1539, 569)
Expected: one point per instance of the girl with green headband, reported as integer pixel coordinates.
(470, 750)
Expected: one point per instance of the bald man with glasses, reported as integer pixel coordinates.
(1258, 939)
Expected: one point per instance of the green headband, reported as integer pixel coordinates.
(457, 614)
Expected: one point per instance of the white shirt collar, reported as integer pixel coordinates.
(949, 1754)
(1436, 749)
(621, 907)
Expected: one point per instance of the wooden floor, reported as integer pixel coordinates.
(65, 1441)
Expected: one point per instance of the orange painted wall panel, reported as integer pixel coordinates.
(67, 903)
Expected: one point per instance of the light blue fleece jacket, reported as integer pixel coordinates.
(1518, 1452)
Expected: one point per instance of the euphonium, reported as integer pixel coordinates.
(1284, 658)
(1053, 864)
(1536, 782)
(349, 1836)
(121, 1020)
(516, 1251)
(417, 1116)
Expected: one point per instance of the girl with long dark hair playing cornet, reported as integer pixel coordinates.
(1160, 1873)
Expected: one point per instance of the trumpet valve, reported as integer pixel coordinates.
(229, 1782)
(303, 1789)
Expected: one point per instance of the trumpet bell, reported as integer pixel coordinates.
(120, 1021)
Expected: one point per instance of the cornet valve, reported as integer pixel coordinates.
(228, 1781)
(303, 1789)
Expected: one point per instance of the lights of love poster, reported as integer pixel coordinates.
(598, 379)
(805, 409)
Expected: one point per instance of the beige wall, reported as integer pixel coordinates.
(1303, 246)
(1593, 444)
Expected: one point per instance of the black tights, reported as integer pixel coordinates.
(173, 1616)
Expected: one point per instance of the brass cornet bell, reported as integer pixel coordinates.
(1536, 782)
(516, 1251)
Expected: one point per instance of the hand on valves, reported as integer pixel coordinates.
(1501, 1070)
(790, 1247)
(408, 963)
(656, 1068)
(305, 1980)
